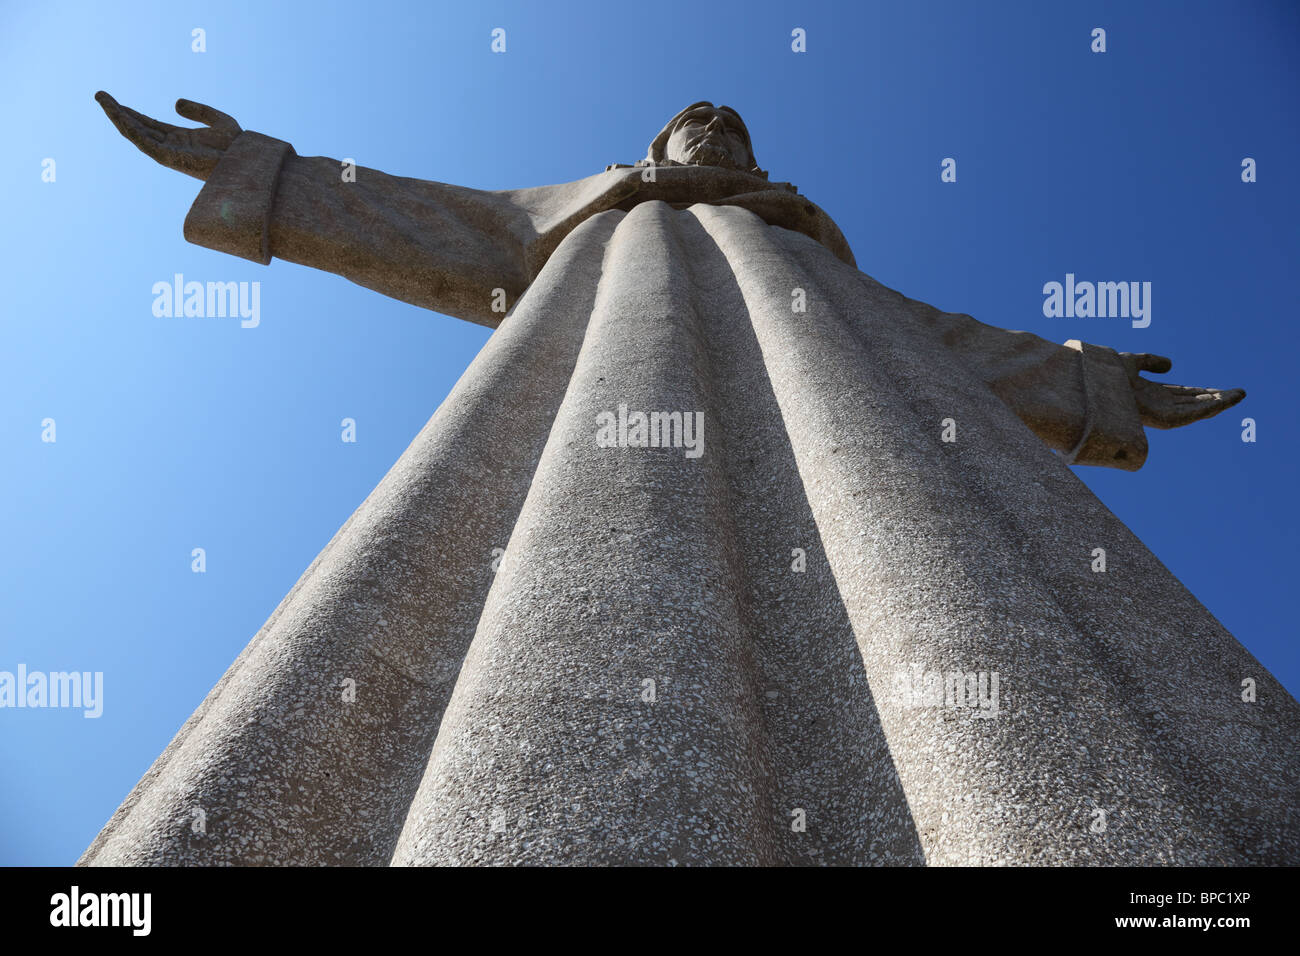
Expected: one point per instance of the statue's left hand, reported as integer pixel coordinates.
(194, 152)
(1171, 406)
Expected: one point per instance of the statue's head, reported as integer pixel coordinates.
(704, 135)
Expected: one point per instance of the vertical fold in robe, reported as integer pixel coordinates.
(921, 538)
(835, 793)
(608, 708)
(310, 748)
(1175, 674)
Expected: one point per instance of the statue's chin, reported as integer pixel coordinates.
(712, 156)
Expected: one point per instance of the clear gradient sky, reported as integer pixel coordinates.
(174, 433)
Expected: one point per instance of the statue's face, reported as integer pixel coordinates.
(709, 137)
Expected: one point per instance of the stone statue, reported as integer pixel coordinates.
(719, 552)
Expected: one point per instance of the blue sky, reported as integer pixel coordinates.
(181, 433)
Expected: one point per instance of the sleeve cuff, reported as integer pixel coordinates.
(1113, 436)
(232, 212)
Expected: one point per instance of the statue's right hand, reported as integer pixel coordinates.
(191, 151)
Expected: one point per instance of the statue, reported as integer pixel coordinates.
(719, 553)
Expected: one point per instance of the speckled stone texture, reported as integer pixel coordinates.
(647, 678)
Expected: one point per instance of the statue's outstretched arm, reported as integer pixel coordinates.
(1087, 401)
(454, 250)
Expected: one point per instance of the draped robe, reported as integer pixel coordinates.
(697, 660)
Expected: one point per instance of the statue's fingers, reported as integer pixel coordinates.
(1208, 405)
(153, 148)
(1149, 362)
(207, 115)
(136, 127)
(1173, 406)
(115, 112)
(1207, 410)
(1184, 394)
(1218, 396)
(143, 121)
(156, 130)
(1188, 393)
